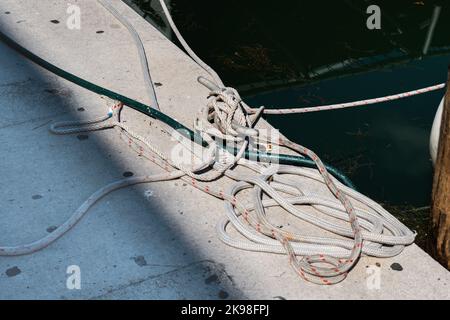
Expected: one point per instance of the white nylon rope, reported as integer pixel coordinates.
(271, 110)
(305, 267)
(361, 226)
(355, 103)
(141, 50)
(259, 234)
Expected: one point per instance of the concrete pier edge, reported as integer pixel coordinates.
(155, 241)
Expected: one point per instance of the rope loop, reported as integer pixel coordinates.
(225, 107)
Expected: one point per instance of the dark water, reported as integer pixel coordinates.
(383, 148)
(325, 48)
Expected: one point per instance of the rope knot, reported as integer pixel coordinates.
(227, 111)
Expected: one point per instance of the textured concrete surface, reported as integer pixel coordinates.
(154, 241)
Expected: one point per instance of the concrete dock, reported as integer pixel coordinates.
(154, 241)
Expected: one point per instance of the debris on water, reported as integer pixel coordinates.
(396, 266)
(36, 197)
(12, 272)
(80, 109)
(128, 174)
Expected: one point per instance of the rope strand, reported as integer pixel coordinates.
(360, 225)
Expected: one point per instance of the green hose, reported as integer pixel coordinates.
(188, 133)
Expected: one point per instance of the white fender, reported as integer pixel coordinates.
(435, 133)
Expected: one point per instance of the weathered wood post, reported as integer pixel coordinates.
(440, 207)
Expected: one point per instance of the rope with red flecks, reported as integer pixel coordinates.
(352, 104)
(226, 117)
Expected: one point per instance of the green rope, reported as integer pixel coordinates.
(188, 133)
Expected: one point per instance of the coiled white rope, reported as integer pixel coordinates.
(360, 225)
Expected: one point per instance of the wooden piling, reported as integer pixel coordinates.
(440, 207)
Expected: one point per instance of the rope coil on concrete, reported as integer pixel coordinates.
(361, 225)
(339, 254)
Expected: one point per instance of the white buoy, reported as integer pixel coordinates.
(435, 133)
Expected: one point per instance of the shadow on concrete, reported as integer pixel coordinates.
(127, 246)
